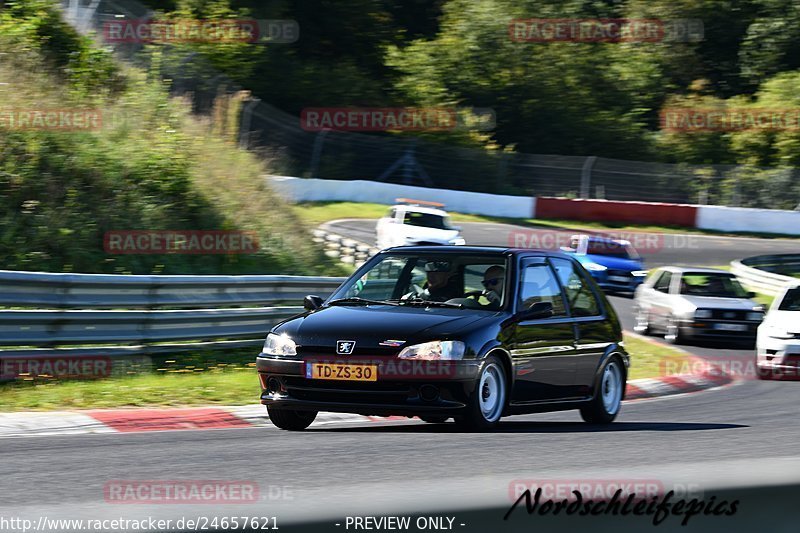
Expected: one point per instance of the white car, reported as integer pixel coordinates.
(778, 340)
(414, 222)
(686, 303)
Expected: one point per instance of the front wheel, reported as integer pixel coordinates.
(433, 419)
(673, 334)
(604, 407)
(642, 322)
(488, 400)
(290, 419)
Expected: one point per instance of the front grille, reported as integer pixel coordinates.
(372, 392)
(623, 273)
(728, 314)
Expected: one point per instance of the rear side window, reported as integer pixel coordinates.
(538, 284)
(580, 297)
(662, 283)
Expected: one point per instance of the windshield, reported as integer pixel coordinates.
(612, 249)
(791, 302)
(718, 285)
(477, 281)
(427, 220)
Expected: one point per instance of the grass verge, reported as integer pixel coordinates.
(233, 385)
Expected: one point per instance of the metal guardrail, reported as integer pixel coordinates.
(87, 309)
(762, 273)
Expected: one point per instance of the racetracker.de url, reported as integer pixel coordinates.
(198, 523)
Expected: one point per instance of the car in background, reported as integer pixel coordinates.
(686, 303)
(416, 222)
(512, 331)
(778, 341)
(614, 264)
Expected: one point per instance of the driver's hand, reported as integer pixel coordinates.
(492, 297)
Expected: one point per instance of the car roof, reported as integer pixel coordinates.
(694, 270)
(465, 250)
(420, 209)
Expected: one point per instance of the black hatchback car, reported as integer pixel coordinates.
(472, 333)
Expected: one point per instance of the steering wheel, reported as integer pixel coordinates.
(415, 294)
(475, 294)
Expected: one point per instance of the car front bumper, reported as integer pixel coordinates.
(779, 357)
(713, 330)
(402, 387)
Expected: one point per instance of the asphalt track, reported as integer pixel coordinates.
(656, 249)
(746, 434)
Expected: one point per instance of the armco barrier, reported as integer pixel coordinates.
(758, 273)
(612, 211)
(746, 219)
(70, 309)
(319, 190)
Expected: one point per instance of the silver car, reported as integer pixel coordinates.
(685, 303)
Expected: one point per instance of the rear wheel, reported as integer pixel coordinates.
(488, 400)
(605, 405)
(290, 419)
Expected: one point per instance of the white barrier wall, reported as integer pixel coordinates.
(722, 218)
(317, 190)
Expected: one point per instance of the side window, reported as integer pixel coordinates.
(662, 284)
(538, 284)
(580, 297)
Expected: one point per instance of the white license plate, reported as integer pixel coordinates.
(620, 279)
(731, 327)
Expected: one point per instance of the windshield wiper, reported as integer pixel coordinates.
(428, 303)
(360, 301)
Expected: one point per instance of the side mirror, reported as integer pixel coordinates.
(312, 302)
(751, 294)
(538, 310)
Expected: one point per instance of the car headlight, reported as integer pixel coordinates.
(434, 351)
(639, 273)
(755, 316)
(458, 241)
(703, 313)
(595, 267)
(279, 345)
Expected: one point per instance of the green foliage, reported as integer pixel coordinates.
(151, 165)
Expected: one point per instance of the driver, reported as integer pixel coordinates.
(493, 283)
(441, 284)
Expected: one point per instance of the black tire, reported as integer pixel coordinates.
(434, 419)
(290, 419)
(602, 409)
(763, 373)
(488, 400)
(642, 326)
(672, 333)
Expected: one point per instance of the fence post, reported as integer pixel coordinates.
(317, 153)
(586, 177)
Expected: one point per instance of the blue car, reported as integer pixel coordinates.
(614, 264)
